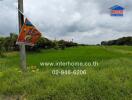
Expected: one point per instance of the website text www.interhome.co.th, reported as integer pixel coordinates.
(69, 63)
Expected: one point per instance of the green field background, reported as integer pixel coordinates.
(111, 80)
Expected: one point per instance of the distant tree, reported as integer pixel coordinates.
(2, 49)
(120, 41)
(41, 42)
(13, 39)
(48, 44)
(62, 44)
(9, 44)
(55, 44)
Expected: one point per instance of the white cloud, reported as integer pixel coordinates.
(85, 21)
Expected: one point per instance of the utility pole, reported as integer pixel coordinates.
(22, 46)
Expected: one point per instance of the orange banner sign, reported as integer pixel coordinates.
(29, 35)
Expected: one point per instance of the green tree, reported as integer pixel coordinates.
(2, 49)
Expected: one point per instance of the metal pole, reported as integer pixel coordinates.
(22, 47)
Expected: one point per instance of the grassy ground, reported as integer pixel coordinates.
(111, 80)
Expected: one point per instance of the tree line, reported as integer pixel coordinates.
(9, 44)
(120, 41)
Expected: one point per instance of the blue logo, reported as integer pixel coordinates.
(117, 10)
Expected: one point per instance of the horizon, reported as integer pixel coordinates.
(70, 40)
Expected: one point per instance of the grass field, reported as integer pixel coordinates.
(110, 80)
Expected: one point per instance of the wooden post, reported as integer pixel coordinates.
(22, 47)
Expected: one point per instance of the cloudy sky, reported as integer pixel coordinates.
(85, 21)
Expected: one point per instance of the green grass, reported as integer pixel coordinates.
(111, 80)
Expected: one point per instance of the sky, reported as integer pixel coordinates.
(84, 21)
